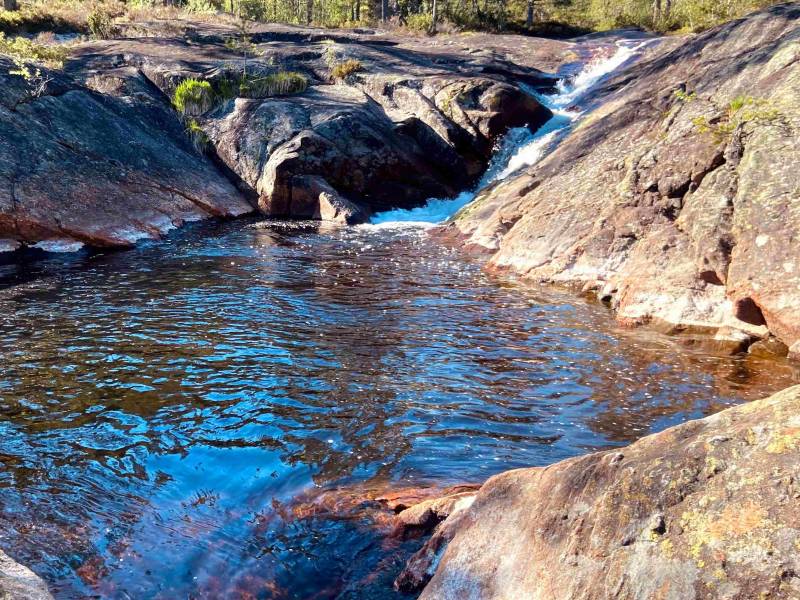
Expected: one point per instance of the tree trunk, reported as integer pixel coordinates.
(529, 18)
(434, 16)
(309, 11)
(10, 4)
(656, 12)
(384, 10)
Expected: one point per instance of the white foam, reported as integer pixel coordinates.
(9, 245)
(520, 148)
(59, 245)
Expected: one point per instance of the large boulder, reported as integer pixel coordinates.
(382, 143)
(104, 169)
(410, 124)
(674, 200)
(707, 509)
(335, 133)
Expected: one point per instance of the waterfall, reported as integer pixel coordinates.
(519, 147)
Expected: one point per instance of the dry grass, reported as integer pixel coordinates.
(24, 50)
(345, 69)
(59, 16)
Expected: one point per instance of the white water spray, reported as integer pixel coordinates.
(519, 147)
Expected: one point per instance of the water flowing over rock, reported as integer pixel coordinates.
(102, 159)
(707, 509)
(673, 199)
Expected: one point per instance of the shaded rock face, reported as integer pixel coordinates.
(674, 200)
(707, 509)
(20, 583)
(77, 166)
(396, 153)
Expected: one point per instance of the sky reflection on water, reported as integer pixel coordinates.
(160, 406)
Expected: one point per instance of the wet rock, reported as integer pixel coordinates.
(724, 341)
(423, 517)
(662, 203)
(398, 500)
(396, 511)
(707, 509)
(313, 198)
(20, 583)
(768, 348)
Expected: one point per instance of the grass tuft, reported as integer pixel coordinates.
(282, 83)
(193, 97)
(343, 70)
(100, 24)
(196, 134)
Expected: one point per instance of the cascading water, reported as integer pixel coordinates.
(519, 147)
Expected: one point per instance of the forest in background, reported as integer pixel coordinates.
(542, 17)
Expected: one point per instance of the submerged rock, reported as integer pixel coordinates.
(707, 509)
(674, 198)
(18, 582)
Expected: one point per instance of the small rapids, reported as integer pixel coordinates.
(520, 147)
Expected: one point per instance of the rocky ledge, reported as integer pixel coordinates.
(99, 156)
(675, 199)
(707, 509)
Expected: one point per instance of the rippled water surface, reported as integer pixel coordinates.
(162, 407)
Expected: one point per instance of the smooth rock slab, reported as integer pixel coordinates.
(80, 167)
(672, 222)
(18, 582)
(707, 509)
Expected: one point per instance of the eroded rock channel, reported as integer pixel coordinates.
(291, 407)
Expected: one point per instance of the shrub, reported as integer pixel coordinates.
(193, 97)
(343, 70)
(419, 22)
(100, 24)
(202, 6)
